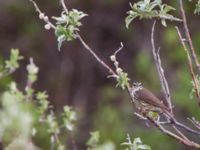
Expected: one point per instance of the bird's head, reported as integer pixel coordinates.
(136, 87)
(137, 84)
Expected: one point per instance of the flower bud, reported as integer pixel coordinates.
(119, 70)
(47, 26)
(46, 18)
(41, 15)
(113, 58)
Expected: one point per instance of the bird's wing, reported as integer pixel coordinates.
(149, 98)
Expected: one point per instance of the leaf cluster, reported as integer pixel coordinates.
(136, 144)
(197, 9)
(67, 25)
(146, 9)
(24, 111)
(11, 64)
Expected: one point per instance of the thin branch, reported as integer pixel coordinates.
(188, 36)
(180, 125)
(64, 6)
(41, 14)
(172, 135)
(96, 56)
(140, 116)
(163, 81)
(196, 87)
(195, 122)
(170, 18)
(119, 49)
(89, 49)
(180, 133)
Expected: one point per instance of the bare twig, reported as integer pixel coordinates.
(96, 56)
(196, 87)
(195, 122)
(165, 88)
(140, 116)
(89, 49)
(41, 14)
(64, 6)
(172, 135)
(187, 33)
(170, 18)
(180, 133)
(119, 49)
(163, 81)
(180, 125)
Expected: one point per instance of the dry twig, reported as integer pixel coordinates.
(187, 33)
(196, 87)
(163, 81)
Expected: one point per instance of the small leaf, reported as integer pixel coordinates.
(163, 22)
(60, 40)
(129, 19)
(94, 139)
(122, 80)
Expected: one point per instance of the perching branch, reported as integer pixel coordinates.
(172, 135)
(166, 91)
(195, 123)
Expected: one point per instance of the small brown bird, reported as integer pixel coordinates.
(147, 99)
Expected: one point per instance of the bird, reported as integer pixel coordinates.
(147, 100)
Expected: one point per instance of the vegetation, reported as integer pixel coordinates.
(29, 121)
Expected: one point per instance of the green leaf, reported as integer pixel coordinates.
(129, 19)
(68, 117)
(60, 40)
(94, 139)
(122, 80)
(13, 63)
(136, 144)
(145, 9)
(163, 22)
(197, 9)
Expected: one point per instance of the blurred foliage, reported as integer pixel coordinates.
(18, 116)
(135, 145)
(197, 9)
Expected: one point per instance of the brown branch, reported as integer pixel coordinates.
(188, 36)
(64, 6)
(180, 125)
(88, 48)
(163, 81)
(172, 135)
(195, 122)
(96, 56)
(196, 87)
(43, 17)
(170, 18)
(180, 133)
